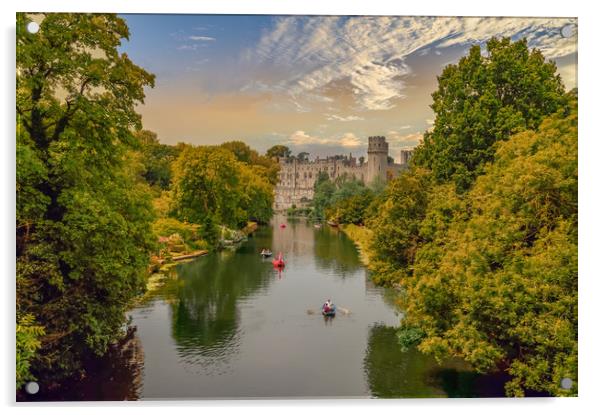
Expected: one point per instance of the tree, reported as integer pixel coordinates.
(210, 181)
(84, 214)
(241, 151)
(324, 189)
(278, 151)
(157, 159)
(499, 286)
(303, 156)
(258, 194)
(206, 182)
(245, 154)
(485, 99)
(396, 225)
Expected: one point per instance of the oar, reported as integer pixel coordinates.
(343, 310)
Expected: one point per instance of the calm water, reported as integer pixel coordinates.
(229, 325)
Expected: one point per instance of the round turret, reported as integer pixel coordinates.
(378, 152)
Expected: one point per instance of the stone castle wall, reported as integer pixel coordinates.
(297, 178)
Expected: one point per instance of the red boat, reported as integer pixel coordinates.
(279, 261)
(282, 225)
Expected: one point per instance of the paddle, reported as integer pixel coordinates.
(343, 310)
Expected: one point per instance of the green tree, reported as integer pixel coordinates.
(303, 156)
(396, 225)
(83, 212)
(499, 286)
(241, 151)
(485, 99)
(258, 194)
(206, 181)
(279, 151)
(245, 154)
(210, 181)
(157, 159)
(28, 342)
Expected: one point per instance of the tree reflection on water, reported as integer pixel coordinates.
(392, 373)
(116, 376)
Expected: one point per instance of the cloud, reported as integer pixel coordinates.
(187, 47)
(350, 140)
(398, 140)
(369, 53)
(334, 117)
(302, 139)
(202, 38)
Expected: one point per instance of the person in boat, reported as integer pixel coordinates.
(327, 307)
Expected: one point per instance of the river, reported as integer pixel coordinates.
(229, 325)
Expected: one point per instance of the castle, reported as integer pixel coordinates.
(297, 177)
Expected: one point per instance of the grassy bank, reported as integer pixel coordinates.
(361, 236)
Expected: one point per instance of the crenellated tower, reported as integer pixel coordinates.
(378, 152)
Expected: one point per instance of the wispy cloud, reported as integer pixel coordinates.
(334, 117)
(187, 47)
(202, 38)
(369, 53)
(302, 139)
(399, 140)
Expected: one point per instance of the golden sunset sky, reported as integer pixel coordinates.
(321, 84)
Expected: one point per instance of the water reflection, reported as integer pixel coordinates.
(116, 376)
(392, 373)
(333, 254)
(205, 315)
(226, 326)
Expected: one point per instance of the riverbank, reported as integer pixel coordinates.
(361, 236)
(161, 265)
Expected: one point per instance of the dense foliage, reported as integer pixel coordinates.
(87, 220)
(499, 288)
(480, 234)
(278, 151)
(344, 200)
(83, 212)
(484, 99)
(211, 184)
(157, 159)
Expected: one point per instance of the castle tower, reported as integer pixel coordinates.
(378, 152)
(406, 155)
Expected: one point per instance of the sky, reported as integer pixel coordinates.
(320, 84)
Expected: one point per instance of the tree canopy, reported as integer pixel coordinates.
(279, 151)
(210, 181)
(83, 212)
(484, 99)
(499, 288)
